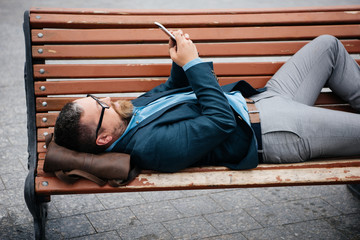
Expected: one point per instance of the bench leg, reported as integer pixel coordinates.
(36, 206)
(355, 189)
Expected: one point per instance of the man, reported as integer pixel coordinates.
(191, 120)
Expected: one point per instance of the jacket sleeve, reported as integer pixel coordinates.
(177, 79)
(180, 144)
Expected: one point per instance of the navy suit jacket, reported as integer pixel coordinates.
(198, 132)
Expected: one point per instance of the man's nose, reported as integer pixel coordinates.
(107, 100)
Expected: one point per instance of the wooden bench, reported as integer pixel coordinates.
(121, 53)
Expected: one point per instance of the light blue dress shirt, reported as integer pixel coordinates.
(235, 98)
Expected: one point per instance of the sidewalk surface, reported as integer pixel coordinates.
(314, 212)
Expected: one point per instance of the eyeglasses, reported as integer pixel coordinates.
(103, 106)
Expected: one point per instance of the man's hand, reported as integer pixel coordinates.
(184, 50)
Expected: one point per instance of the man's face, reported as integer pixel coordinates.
(112, 123)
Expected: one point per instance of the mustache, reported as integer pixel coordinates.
(124, 108)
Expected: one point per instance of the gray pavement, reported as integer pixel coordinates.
(314, 212)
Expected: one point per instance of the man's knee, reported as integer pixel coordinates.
(327, 41)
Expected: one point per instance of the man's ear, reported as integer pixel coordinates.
(103, 139)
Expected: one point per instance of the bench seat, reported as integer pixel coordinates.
(121, 53)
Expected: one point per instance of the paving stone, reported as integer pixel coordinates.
(113, 219)
(113, 235)
(155, 212)
(16, 232)
(275, 214)
(318, 229)
(194, 206)
(119, 200)
(291, 212)
(308, 209)
(271, 195)
(347, 224)
(52, 211)
(190, 228)
(69, 205)
(17, 134)
(344, 201)
(301, 192)
(240, 198)
(69, 227)
(20, 214)
(2, 185)
(192, 193)
(14, 180)
(276, 232)
(162, 195)
(234, 236)
(150, 231)
(12, 197)
(4, 141)
(233, 221)
(10, 159)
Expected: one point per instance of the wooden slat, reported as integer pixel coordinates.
(123, 85)
(258, 177)
(197, 34)
(56, 103)
(179, 21)
(146, 70)
(46, 119)
(161, 50)
(51, 117)
(106, 11)
(42, 132)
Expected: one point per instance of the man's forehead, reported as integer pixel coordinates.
(89, 108)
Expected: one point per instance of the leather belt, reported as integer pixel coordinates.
(253, 112)
(255, 125)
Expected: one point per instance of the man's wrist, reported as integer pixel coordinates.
(192, 63)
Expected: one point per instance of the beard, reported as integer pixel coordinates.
(124, 109)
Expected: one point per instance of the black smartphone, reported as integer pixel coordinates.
(165, 31)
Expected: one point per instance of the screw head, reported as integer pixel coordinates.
(38, 17)
(44, 104)
(45, 133)
(40, 35)
(45, 183)
(42, 88)
(40, 50)
(42, 71)
(44, 119)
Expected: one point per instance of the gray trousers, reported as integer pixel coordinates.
(295, 131)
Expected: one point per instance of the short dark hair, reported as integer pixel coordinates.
(70, 133)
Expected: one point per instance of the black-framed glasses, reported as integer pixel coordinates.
(103, 106)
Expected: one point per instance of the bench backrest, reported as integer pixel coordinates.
(73, 52)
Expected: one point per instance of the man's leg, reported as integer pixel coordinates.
(294, 132)
(322, 61)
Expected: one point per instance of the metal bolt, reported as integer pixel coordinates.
(38, 17)
(40, 35)
(44, 146)
(44, 119)
(42, 88)
(44, 104)
(42, 71)
(45, 184)
(40, 50)
(45, 133)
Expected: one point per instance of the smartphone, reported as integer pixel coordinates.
(165, 31)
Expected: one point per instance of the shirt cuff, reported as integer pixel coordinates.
(192, 63)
